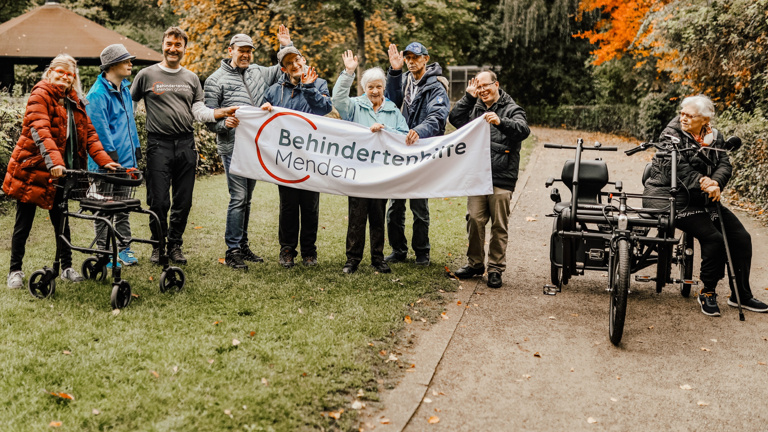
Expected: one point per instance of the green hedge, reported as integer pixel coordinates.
(618, 119)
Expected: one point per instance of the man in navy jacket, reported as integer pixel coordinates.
(421, 94)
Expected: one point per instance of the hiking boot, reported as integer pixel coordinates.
(708, 302)
(286, 258)
(70, 274)
(422, 260)
(16, 279)
(176, 255)
(234, 259)
(468, 271)
(248, 254)
(494, 279)
(381, 267)
(350, 267)
(751, 304)
(127, 257)
(395, 257)
(309, 261)
(155, 257)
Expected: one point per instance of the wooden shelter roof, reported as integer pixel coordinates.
(41, 34)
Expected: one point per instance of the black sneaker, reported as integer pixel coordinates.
(422, 260)
(175, 254)
(708, 302)
(381, 267)
(494, 279)
(155, 257)
(309, 261)
(468, 271)
(395, 257)
(350, 267)
(751, 304)
(234, 259)
(248, 255)
(286, 258)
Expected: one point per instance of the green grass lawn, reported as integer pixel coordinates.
(309, 338)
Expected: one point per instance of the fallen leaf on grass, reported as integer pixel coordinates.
(95, 411)
(216, 322)
(702, 403)
(392, 357)
(210, 361)
(382, 352)
(330, 316)
(591, 420)
(134, 295)
(54, 424)
(156, 375)
(434, 420)
(115, 312)
(228, 412)
(423, 319)
(252, 334)
(445, 317)
(686, 387)
(336, 414)
(458, 303)
(222, 261)
(175, 369)
(66, 352)
(356, 405)
(198, 227)
(235, 342)
(264, 381)
(151, 278)
(62, 395)
(407, 319)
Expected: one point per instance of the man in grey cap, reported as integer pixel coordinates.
(111, 111)
(237, 82)
(421, 94)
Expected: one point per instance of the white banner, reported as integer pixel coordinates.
(321, 154)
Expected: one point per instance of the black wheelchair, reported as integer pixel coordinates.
(103, 195)
(598, 231)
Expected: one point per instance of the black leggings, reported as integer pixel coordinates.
(25, 216)
(713, 256)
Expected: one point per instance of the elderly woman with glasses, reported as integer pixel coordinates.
(56, 135)
(703, 170)
(374, 110)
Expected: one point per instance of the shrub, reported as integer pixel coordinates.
(618, 119)
(656, 110)
(11, 114)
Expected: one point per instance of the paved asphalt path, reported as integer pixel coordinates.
(516, 359)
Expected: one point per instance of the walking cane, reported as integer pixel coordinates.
(731, 273)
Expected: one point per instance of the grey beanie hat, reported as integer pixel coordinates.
(114, 54)
(284, 52)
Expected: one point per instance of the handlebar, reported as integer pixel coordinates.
(570, 147)
(124, 177)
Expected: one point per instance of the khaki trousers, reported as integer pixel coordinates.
(480, 209)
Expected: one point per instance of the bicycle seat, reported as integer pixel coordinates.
(106, 206)
(593, 176)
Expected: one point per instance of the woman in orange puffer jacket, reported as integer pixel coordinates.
(56, 134)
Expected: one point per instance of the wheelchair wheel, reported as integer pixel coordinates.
(172, 278)
(619, 290)
(685, 263)
(121, 294)
(92, 270)
(42, 283)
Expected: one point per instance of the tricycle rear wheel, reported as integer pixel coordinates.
(619, 291)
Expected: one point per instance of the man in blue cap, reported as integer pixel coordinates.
(110, 108)
(422, 96)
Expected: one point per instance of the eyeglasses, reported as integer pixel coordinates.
(64, 73)
(690, 116)
(482, 87)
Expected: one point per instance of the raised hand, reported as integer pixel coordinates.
(309, 76)
(472, 87)
(283, 35)
(350, 61)
(395, 57)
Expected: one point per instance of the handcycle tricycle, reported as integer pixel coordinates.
(597, 230)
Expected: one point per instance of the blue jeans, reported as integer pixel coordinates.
(396, 226)
(239, 209)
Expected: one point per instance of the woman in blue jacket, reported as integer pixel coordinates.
(374, 110)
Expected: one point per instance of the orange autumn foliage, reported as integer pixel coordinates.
(621, 29)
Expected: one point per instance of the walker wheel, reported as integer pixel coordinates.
(92, 270)
(121, 294)
(172, 278)
(42, 283)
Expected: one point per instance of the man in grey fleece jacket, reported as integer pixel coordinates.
(239, 83)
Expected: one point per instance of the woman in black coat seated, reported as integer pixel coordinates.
(702, 174)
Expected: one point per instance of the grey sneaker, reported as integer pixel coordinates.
(70, 274)
(16, 279)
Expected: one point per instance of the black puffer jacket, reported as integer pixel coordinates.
(691, 166)
(506, 138)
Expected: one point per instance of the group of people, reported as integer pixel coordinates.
(413, 102)
(62, 130)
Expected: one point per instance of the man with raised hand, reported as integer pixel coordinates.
(111, 111)
(173, 97)
(303, 91)
(239, 83)
(421, 94)
(509, 128)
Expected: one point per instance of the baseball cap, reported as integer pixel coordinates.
(416, 48)
(284, 52)
(114, 54)
(241, 40)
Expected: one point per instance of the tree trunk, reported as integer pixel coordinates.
(360, 27)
